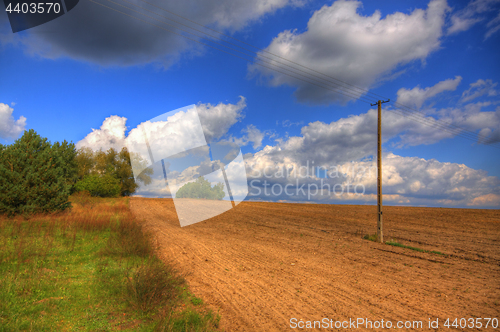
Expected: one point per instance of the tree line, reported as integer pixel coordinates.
(201, 188)
(38, 176)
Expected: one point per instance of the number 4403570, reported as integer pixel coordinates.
(33, 8)
(471, 323)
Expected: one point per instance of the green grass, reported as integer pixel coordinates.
(371, 237)
(397, 244)
(374, 238)
(91, 269)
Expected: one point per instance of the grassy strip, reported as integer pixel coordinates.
(371, 237)
(374, 238)
(91, 268)
(397, 244)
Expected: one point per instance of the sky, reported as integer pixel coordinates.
(94, 74)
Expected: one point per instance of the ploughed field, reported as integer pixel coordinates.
(261, 264)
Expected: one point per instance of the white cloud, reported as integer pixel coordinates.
(473, 13)
(424, 179)
(417, 96)
(288, 123)
(406, 180)
(343, 147)
(493, 27)
(349, 144)
(478, 89)
(111, 134)
(164, 138)
(182, 134)
(357, 49)
(178, 130)
(486, 200)
(216, 120)
(459, 24)
(251, 134)
(10, 128)
(470, 117)
(353, 138)
(254, 135)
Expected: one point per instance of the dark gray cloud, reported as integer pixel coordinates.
(97, 34)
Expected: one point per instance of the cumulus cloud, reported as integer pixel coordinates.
(417, 96)
(10, 128)
(176, 138)
(343, 147)
(406, 180)
(100, 35)
(472, 118)
(425, 179)
(486, 200)
(478, 89)
(344, 150)
(181, 129)
(467, 117)
(354, 48)
(355, 137)
(216, 120)
(111, 134)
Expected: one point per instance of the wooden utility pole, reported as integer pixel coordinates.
(380, 233)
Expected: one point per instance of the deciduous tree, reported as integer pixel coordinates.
(110, 162)
(201, 188)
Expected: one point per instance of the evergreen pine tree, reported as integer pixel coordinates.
(35, 176)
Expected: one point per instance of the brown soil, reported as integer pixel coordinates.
(261, 264)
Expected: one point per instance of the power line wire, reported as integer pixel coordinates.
(338, 88)
(396, 104)
(346, 89)
(455, 130)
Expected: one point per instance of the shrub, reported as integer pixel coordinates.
(99, 185)
(153, 285)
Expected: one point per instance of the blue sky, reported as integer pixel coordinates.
(67, 76)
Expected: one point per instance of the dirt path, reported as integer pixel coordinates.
(262, 264)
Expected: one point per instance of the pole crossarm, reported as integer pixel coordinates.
(380, 101)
